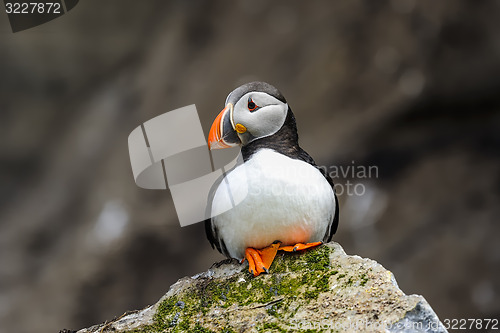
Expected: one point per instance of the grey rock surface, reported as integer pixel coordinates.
(321, 289)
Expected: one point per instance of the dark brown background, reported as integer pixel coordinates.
(409, 87)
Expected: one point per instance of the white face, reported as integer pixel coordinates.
(260, 113)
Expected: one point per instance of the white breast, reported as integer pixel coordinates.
(287, 200)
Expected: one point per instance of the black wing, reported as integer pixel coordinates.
(210, 228)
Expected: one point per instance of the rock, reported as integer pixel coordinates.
(319, 289)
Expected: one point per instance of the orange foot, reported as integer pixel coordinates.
(259, 261)
(299, 246)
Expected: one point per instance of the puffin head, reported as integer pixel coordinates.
(252, 111)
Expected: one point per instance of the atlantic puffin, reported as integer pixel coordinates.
(291, 203)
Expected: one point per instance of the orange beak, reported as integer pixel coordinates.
(222, 134)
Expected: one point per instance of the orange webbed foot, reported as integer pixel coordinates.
(259, 261)
(299, 246)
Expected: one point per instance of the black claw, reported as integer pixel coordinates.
(295, 249)
(266, 270)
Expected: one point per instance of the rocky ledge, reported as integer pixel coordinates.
(318, 290)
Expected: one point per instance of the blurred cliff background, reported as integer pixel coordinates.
(411, 88)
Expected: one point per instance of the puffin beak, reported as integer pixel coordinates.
(222, 133)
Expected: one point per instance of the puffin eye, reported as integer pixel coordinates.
(251, 105)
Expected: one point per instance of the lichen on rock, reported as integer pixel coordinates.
(317, 290)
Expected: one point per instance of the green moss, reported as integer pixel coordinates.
(312, 259)
(318, 259)
(199, 329)
(321, 285)
(349, 281)
(272, 327)
(184, 325)
(166, 313)
(273, 310)
(175, 314)
(363, 279)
